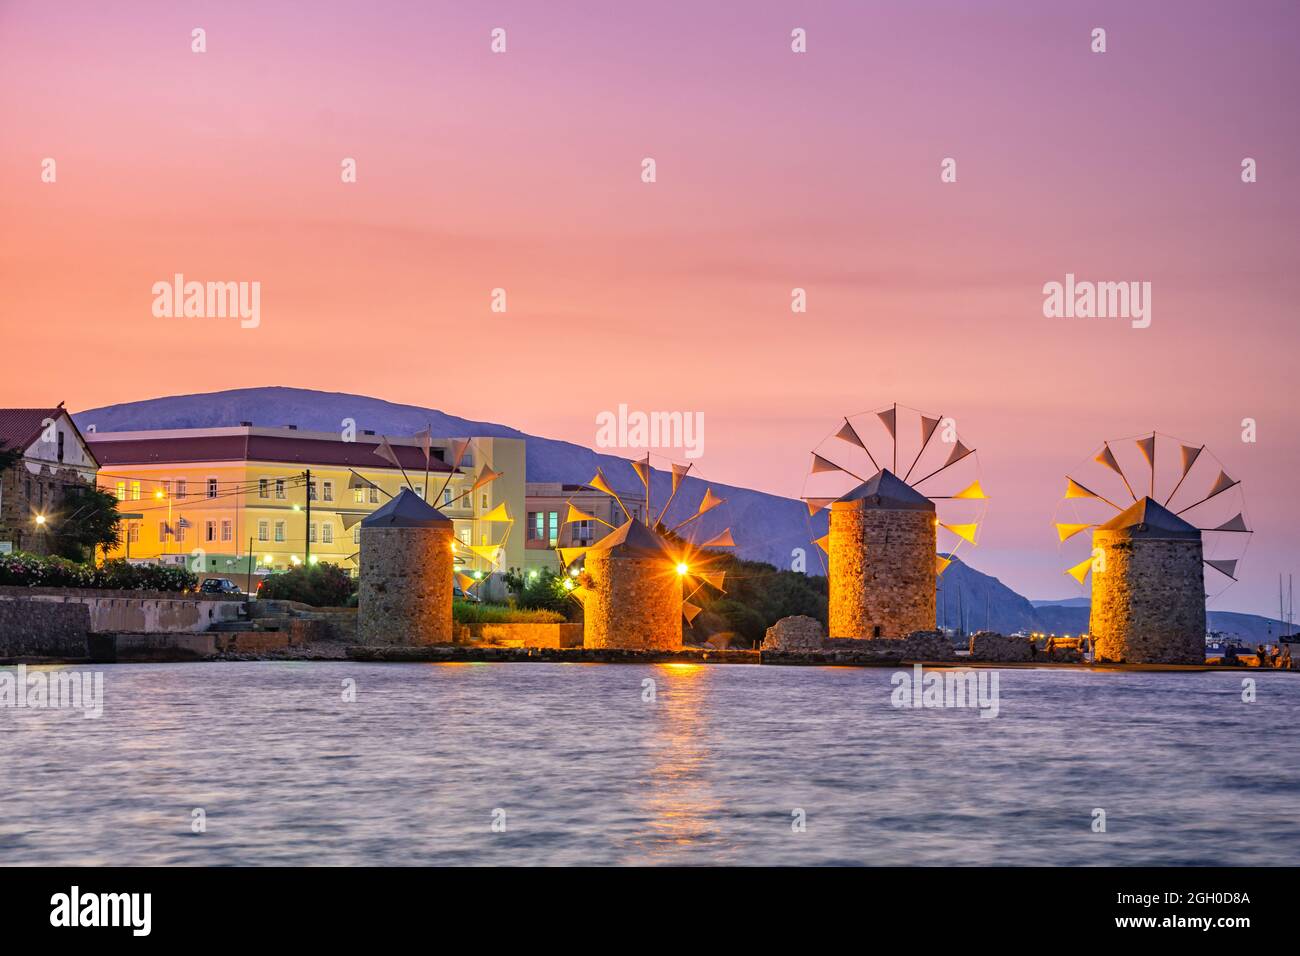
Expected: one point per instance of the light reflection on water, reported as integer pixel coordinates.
(588, 772)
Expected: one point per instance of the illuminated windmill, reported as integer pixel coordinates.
(1149, 553)
(637, 583)
(885, 529)
(487, 549)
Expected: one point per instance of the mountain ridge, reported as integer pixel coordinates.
(767, 527)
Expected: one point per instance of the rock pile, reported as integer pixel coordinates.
(798, 633)
(1000, 648)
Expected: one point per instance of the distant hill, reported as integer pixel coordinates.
(766, 527)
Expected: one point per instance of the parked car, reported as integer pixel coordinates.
(219, 586)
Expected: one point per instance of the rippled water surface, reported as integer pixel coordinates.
(711, 771)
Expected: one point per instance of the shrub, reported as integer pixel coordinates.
(466, 612)
(34, 571)
(320, 585)
(539, 590)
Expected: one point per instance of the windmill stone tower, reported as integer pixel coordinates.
(1148, 588)
(632, 592)
(882, 560)
(406, 574)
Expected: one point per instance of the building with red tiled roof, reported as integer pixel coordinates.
(51, 458)
(237, 499)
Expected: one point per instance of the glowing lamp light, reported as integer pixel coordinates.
(266, 559)
(158, 493)
(297, 507)
(40, 519)
(293, 558)
(315, 559)
(568, 584)
(682, 568)
(573, 572)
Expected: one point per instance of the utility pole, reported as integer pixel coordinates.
(307, 535)
(250, 565)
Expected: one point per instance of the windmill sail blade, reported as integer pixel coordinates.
(973, 492)
(890, 418)
(723, 540)
(964, 531)
(1228, 567)
(817, 504)
(499, 513)
(690, 611)
(1107, 457)
(820, 464)
(485, 476)
(385, 451)
(959, 452)
(569, 555)
(1221, 484)
(1080, 570)
(824, 542)
(679, 472)
(714, 579)
(350, 518)
(425, 437)
(1237, 523)
(642, 469)
(1148, 448)
(1075, 490)
(1190, 454)
(928, 426)
(849, 434)
(941, 563)
(1067, 531)
(708, 503)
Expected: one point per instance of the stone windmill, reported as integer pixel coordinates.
(881, 549)
(636, 584)
(1150, 553)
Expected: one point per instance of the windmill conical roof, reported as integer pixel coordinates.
(1149, 519)
(633, 539)
(885, 490)
(407, 510)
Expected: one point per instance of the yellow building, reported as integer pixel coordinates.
(227, 500)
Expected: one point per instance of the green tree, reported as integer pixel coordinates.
(87, 519)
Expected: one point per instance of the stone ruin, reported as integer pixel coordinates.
(798, 633)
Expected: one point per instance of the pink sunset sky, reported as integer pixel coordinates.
(775, 170)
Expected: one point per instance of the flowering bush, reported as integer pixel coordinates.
(33, 571)
(320, 585)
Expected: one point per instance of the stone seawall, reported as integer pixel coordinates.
(45, 629)
(153, 611)
(525, 635)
